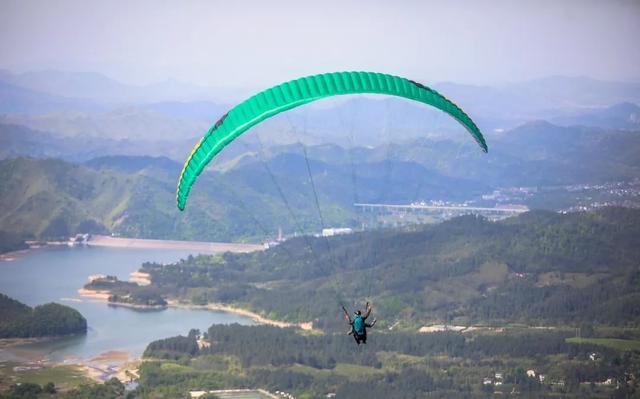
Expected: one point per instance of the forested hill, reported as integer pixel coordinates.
(11, 242)
(18, 320)
(539, 268)
(135, 196)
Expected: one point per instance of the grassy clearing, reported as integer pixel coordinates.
(300, 368)
(619, 344)
(398, 361)
(175, 368)
(241, 395)
(64, 377)
(355, 371)
(350, 371)
(575, 280)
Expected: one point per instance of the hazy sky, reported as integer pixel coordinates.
(254, 43)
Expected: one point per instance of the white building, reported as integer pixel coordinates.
(334, 231)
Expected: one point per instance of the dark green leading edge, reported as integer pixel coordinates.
(301, 91)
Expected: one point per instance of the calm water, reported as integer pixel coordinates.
(56, 274)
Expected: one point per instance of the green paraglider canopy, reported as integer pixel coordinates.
(301, 91)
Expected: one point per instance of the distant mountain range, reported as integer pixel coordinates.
(536, 153)
(619, 116)
(95, 87)
(541, 97)
(88, 103)
(527, 97)
(18, 140)
(123, 148)
(118, 124)
(24, 101)
(241, 197)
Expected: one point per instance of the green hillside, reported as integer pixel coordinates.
(54, 199)
(539, 268)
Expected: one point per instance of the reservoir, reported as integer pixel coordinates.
(54, 274)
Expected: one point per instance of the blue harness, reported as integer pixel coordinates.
(358, 325)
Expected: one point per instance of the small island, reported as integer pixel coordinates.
(124, 293)
(18, 320)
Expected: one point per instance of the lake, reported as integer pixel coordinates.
(54, 274)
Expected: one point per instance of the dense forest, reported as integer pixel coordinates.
(18, 320)
(392, 365)
(539, 268)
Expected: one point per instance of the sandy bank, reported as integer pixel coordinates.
(118, 242)
(12, 255)
(103, 297)
(308, 326)
(137, 306)
(111, 356)
(141, 278)
(107, 241)
(114, 363)
(16, 349)
(94, 294)
(110, 364)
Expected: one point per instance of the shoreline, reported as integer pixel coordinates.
(136, 306)
(103, 297)
(145, 243)
(307, 326)
(137, 243)
(13, 255)
(99, 368)
(31, 245)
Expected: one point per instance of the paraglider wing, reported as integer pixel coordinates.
(301, 91)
